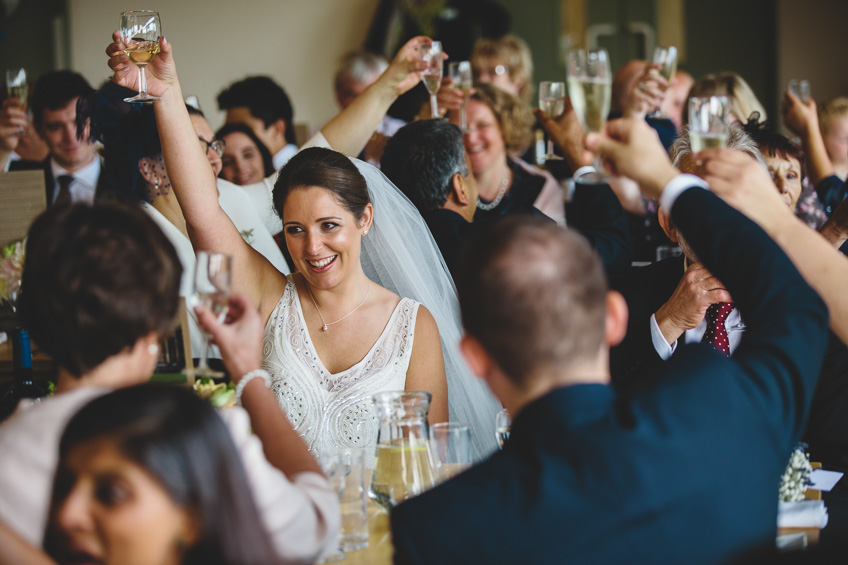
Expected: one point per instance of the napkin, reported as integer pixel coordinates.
(804, 514)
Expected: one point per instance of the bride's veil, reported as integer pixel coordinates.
(400, 254)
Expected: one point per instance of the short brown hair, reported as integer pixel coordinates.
(514, 117)
(95, 280)
(534, 295)
(327, 169)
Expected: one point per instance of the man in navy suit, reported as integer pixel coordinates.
(685, 471)
(72, 169)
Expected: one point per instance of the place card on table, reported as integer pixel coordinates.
(824, 480)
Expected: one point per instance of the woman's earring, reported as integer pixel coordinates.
(365, 232)
(156, 182)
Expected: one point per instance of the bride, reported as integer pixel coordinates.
(334, 337)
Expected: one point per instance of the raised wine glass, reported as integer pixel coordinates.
(16, 87)
(432, 75)
(708, 127)
(552, 103)
(460, 73)
(140, 32)
(212, 284)
(666, 57)
(590, 90)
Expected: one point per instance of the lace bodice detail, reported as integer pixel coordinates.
(333, 410)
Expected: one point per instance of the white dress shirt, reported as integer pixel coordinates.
(83, 186)
(283, 155)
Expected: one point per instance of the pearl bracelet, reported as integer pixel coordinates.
(249, 377)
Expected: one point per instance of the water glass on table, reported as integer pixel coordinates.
(451, 448)
(708, 127)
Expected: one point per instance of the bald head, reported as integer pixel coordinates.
(623, 82)
(533, 294)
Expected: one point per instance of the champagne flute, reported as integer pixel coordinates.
(666, 57)
(590, 90)
(212, 284)
(460, 74)
(140, 32)
(432, 75)
(708, 127)
(552, 103)
(503, 423)
(16, 87)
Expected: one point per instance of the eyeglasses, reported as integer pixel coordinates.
(497, 70)
(216, 145)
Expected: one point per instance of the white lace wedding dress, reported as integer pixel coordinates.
(333, 410)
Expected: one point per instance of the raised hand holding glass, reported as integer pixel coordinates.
(140, 33)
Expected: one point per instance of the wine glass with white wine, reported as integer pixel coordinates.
(590, 90)
(16, 87)
(708, 127)
(666, 58)
(460, 73)
(552, 103)
(140, 33)
(432, 75)
(212, 283)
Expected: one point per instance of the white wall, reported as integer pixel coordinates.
(297, 42)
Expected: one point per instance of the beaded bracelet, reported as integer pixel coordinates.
(249, 377)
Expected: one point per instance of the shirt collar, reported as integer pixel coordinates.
(87, 175)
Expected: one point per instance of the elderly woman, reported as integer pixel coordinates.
(499, 128)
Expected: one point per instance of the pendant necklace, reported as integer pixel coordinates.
(326, 325)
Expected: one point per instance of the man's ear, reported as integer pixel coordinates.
(458, 189)
(476, 356)
(615, 327)
(280, 128)
(666, 224)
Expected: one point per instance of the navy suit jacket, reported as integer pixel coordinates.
(685, 471)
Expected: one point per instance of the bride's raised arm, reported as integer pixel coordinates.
(194, 184)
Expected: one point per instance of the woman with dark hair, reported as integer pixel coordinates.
(785, 160)
(100, 290)
(499, 129)
(150, 474)
(334, 337)
(246, 160)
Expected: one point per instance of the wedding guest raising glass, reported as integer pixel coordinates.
(503, 423)
(590, 90)
(708, 127)
(552, 103)
(16, 87)
(432, 75)
(460, 74)
(212, 284)
(801, 90)
(140, 32)
(666, 58)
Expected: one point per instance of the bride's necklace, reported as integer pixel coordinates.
(325, 324)
(494, 203)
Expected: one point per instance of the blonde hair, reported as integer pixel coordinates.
(513, 51)
(514, 116)
(832, 111)
(743, 101)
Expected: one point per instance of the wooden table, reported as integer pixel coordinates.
(380, 550)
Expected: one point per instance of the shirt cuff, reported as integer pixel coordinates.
(677, 186)
(584, 170)
(661, 346)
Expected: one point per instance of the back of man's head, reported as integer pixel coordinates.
(54, 90)
(266, 100)
(534, 296)
(421, 159)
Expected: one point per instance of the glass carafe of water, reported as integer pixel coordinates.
(404, 465)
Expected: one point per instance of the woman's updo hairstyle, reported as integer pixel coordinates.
(514, 116)
(327, 169)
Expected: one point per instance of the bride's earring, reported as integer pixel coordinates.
(365, 232)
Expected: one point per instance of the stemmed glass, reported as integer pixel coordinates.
(212, 284)
(801, 90)
(460, 74)
(590, 90)
(552, 103)
(503, 424)
(666, 57)
(140, 32)
(432, 75)
(708, 127)
(16, 87)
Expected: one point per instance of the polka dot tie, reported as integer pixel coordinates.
(716, 333)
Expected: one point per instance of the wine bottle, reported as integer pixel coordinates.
(24, 386)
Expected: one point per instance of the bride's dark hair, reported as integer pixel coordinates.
(327, 169)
